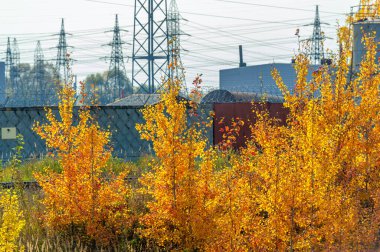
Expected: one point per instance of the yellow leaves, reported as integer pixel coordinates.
(177, 213)
(313, 173)
(81, 196)
(11, 221)
(367, 9)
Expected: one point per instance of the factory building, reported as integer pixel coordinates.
(258, 79)
(364, 26)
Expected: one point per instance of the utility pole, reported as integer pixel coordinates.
(174, 35)
(117, 84)
(62, 61)
(39, 83)
(150, 46)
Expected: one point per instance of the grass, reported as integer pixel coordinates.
(36, 238)
(24, 171)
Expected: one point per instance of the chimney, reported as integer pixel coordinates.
(241, 64)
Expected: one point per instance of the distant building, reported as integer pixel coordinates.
(258, 79)
(361, 28)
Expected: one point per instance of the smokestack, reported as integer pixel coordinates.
(241, 64)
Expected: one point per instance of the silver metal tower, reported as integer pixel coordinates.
(17, 86)
(8, 64)
(39, 83)
(150, 46)
(62, 61)
(317, 40)
(117, 84)
(174, 35)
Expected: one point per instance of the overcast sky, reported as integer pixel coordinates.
(215, 27)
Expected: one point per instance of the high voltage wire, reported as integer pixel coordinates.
(95, 44)
(92, 38)
(209, 15)
(75, 31)
(276, 7)
(83, 33)
(228, 1)
(111, 3)
(251, 27)
(229, 34)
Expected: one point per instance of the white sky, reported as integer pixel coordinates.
(216, 27)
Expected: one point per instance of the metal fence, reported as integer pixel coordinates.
(120, 120)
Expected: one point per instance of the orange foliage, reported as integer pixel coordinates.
(81, 198)
(178, 214)
(312, 184)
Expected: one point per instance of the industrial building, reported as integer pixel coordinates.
(361, 27)
(21, 103)
(258, 79)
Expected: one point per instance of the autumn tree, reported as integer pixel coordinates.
(81, 200)
(312, 184)
(316, 179)
(178, 213)
(12, 221)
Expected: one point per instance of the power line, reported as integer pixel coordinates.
(111, 3)
(277, 7)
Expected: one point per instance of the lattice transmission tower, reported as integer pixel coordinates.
(8, 67)
(63, 61)
(15, 79)
(150, 55)
(174, 44)
(317, 40)
(39, 82)
(117, 84)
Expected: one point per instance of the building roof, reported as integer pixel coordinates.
(137, 100)
(140, 100)
(225, 96)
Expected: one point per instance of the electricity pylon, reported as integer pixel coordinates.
(174, 35)
(39, 83)
(117, 84)
(150, 46)
(8, 67)
(63, 60)
(17, 86)
(317, 40)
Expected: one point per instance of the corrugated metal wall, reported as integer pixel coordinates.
(228, 111)
(120, 120)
